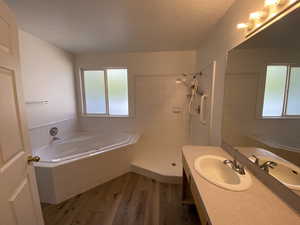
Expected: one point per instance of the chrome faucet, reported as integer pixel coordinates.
(267, 165)
(55, 139)
(235, 166)
(53, 132)
(256, 160)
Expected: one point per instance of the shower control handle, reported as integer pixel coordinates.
(31, 159)
(202, 109)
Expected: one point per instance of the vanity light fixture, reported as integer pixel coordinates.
(242, 26)
(254, 16)
(271, 9)
(271, 2)
(246, 26)
(274, 2)
(257, 15)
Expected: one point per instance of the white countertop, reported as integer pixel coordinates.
(256, 206)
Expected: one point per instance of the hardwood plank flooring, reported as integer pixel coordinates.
(127, 200)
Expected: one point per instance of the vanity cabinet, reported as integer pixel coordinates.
(190, 195)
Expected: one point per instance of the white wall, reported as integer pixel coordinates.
(47, 74)
(223, 38)
(152, 78)
(200, 129)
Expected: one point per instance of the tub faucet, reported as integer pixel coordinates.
(55, 138)
(235, 166)
(267, 165)
(53, 132)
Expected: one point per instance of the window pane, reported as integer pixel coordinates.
(293, 106)
(117, 91)
(94, 86)
(274, 90)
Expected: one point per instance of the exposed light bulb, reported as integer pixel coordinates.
(271, 2)
(270, 10)
(257, 15)
(241, 26)
(258, 25)
(277, 2)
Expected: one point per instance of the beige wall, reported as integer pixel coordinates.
(223, 37)
(152, 78)
(47, 74)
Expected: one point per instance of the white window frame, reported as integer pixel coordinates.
(262, 85)
(82, 94)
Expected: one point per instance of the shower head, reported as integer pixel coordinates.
(181, 80)
(187, 77)
(178, 81)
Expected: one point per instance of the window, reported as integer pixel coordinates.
(105, 92)
(282, 91)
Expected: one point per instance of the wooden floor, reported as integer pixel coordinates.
(128, 200)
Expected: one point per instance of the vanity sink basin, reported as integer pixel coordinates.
(285, 172)
(213, 169)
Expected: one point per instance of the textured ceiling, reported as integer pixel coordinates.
(119, 25)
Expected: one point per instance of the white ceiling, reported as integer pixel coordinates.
(119, 25)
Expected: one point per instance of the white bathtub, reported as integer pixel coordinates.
(82, 145)
(71, 166)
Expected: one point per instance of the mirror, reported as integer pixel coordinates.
(261, 112)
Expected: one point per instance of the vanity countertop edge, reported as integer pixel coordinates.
(257, 205)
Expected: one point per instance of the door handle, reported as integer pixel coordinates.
(31, 159)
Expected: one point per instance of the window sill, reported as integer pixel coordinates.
(104, 116)
(280, 118)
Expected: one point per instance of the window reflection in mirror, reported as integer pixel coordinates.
(261, 111)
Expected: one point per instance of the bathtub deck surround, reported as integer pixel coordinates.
(89, 156)
(255, 205)
(129, 199)
(82, 145)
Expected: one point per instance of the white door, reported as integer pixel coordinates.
(19, 200)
